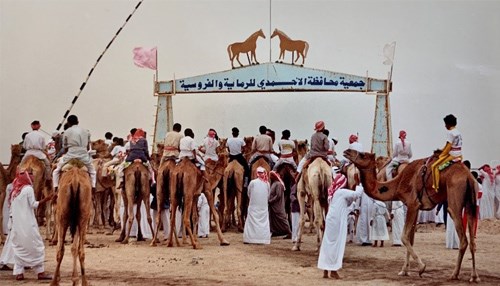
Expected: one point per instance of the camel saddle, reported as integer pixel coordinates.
(310, 160)
(74, 163)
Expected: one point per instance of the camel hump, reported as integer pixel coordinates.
(74, 163)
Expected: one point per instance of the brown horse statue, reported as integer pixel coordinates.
(136, 191)
(74, 202)
(413, 186)
(248, 46)
(287, 44)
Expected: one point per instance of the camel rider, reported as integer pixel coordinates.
(331, 150)
(319, 146)
(76, 145)
(35, 145)
(235, 145)
(139, 151)
(354, 143)
(452, 151)
(188, 148)
(401, 154)
(287, 149)
(262, 146)
(209, 146)
(171, 144)
(118, 154)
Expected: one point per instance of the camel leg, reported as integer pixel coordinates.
(158, 222)
(302, 220)
(225, 213)
(210, 199)
(117, 193)
(239, 193)
(173, 213)
(74, 253)
(130, 217)
(125, 218)
(61, 229)
(408, 239)
(138, 215)
(188, 206)
(318, 222)
(457, 219)
(81, 253)
(148, 213)
(471, 222)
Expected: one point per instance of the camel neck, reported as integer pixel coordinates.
(382, 191)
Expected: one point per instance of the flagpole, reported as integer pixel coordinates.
(156, 64)
(270, 30)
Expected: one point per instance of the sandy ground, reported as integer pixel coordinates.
(111, 263)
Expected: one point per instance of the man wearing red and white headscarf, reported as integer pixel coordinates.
(277, 216)
(27, 243)
(333, 244)
(401, 154)
(257, 229)
(209, 146)
(354, 143)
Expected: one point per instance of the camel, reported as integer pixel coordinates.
(163, 192)
(136, 191)
(3, 187)
(287, 173)
(15, 160)
(214, 173)
(232, 187)
(104, 199)
(73, 210)
(381, 163)
(101, 149)
(413, 186)
(314, 184)
(188, 183)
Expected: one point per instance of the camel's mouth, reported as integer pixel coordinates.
(349, 154)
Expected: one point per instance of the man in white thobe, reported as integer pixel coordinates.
(35, 145)
(398, 222)
(257, 229)
(401, 154)
(27, 243)
(75, 141)
(203, 216)
(332, 248)
(365, 204)
(378, 223)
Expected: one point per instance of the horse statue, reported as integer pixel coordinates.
(287, 44)
(249, 45)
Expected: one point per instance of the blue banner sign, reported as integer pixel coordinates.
(273, 77)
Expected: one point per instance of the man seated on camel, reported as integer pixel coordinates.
(35, 145)
(188, 148)
(118, 154)
(234, 145)
(401, 154)
(319, 148)
(139, 151)
(76, 145)
(262, 146)
(209, 146)
(287, 149)
(452, 151)
(171, 143)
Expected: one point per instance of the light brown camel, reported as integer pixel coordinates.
(413, 186)
(248, 46)
(314, 183)
(214, 172)
(302, 147)
(42, 188)
(381, 162)
(232, 187)
(15, 160)
(74, 202)
(101, 149)
(163, 192)
(287, 44)
(188, 183)
(136, 191)
(104, 199)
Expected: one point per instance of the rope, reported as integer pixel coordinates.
(92, 69)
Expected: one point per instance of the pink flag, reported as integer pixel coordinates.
(145, 58)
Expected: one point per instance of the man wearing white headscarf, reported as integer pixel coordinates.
(27, 243)
(402, 154)
(257, 229)
(332, 248)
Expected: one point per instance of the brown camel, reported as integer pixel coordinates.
(6, 177)
(314, 183)
(136, 191)
(73, 210)
(188, 183)
(163, 192)
(413, 186)
(101, 149)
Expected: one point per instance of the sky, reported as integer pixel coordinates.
(446, 61)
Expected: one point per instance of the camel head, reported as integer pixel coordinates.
(159, 148)
(222, 146)
(381, 161)
(362, 160)
(15, 150)
(99, 146)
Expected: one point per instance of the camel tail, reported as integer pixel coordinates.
(137, 183)
(179, 191)
(470, 196)
(166, 187)
(74, 208)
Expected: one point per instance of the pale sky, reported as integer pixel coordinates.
(447, 61)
